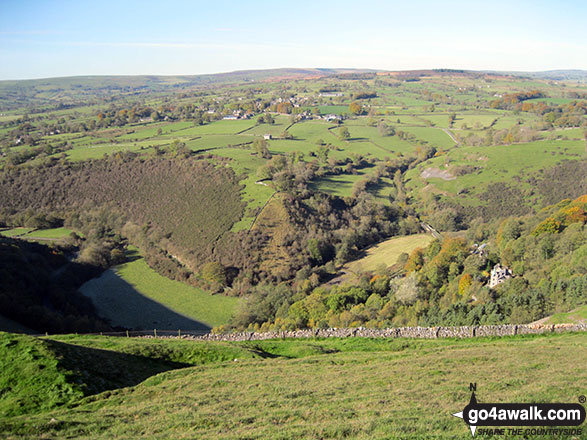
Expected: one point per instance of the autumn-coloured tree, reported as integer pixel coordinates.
(355, 108)
(464, 284)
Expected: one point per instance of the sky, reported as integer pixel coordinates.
(40, 39)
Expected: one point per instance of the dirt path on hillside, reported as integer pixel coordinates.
(452, 136)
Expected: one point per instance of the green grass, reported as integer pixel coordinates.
(134, 295)
(218, 141)
(311, 131)
(50, 233)
(85, 152)
(496, 164)
(310, 389)
(339, 185)
(554, 101)
(387, 252)
(579, 315)
(244, 162)
(15, 232)
(434, 136)
(39, 374)
(217, 127)
(175, 350)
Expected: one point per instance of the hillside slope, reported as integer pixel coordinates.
(345, 388)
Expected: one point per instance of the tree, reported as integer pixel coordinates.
(214, 272)
(344, 133)
(322, 153)
(385, 130)
(355, 108)
(451, 119)
(464, 284)
(261, 147)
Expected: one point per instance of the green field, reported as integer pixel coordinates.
(579, 315)
(339, 185)
(245, 163)
(31, 233)
(134, 295)
(386, 253)
(287, 389)
(54, 233)
(15, 232)
(495, 164)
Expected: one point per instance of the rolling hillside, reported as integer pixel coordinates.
(286, 389)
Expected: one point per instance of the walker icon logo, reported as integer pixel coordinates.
(477, 414)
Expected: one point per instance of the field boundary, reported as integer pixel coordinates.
(402, 332)
(259, 213)
(478, 331)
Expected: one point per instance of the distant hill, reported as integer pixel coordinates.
(556, 75)
(68, 90)
(64, 91)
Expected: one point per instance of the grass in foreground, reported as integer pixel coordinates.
(319, 389)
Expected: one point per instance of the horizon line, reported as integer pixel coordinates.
(367, 70)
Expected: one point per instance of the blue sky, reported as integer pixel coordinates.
(63, 38)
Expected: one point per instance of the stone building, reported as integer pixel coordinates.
(499, 274)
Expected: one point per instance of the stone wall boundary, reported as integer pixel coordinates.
(393, 333)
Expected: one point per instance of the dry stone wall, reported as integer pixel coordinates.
(402, 332)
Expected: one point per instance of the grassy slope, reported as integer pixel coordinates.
(115, 296)
(496, 163)
(41, 373)
(50, 233)
(387, 252)
(352, 388)
(54, 233)
(15, 232)
(255, 195)
(578, 315)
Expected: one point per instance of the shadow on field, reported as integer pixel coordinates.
(97, 370)
(122, 305)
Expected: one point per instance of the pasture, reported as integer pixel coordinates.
(286, 389)
(386, 253)
(134, 295)
(499, 163)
